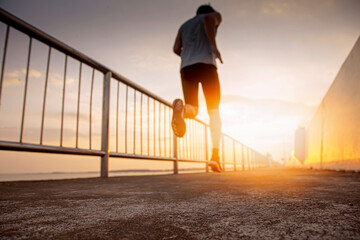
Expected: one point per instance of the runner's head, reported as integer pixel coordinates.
(205, 9)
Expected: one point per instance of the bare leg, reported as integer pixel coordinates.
(191, 111)
(215, 128)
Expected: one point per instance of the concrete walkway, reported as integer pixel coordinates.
(261, 204)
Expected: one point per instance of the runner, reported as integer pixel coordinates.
(195, 44)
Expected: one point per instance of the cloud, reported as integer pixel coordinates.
(8, 82)
(15, 77)
(70, 80)
(71, 116)
(56, 79)
(12, 79)
(14, 74)
(32, 73)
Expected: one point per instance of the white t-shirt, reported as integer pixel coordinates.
(196, 47)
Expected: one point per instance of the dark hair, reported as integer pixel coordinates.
(204, 9)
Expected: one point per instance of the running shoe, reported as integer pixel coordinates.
(215, 165)
(178, 121)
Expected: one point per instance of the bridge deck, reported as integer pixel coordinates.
(262, 204)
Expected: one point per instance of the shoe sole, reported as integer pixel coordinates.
(178, 123)
(215, 167)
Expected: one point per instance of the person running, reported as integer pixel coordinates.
(195, 44)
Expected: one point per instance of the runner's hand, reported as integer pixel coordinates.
(217, 54)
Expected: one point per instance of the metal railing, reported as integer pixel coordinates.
(134, 122)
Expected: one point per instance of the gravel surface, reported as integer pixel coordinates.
(258, 204)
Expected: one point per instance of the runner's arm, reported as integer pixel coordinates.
(211, 22)
(178, 44)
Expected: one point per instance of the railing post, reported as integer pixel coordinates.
(3, 60)
(234, 155)
(105, 126)
(206, 150)
(176, 163)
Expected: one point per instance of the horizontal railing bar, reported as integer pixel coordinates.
(146, 157)
(15, 146)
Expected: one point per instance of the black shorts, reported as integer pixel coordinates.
(206, 74)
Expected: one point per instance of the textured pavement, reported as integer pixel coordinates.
(257, 204)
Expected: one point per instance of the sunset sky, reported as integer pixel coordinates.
(280, 57)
